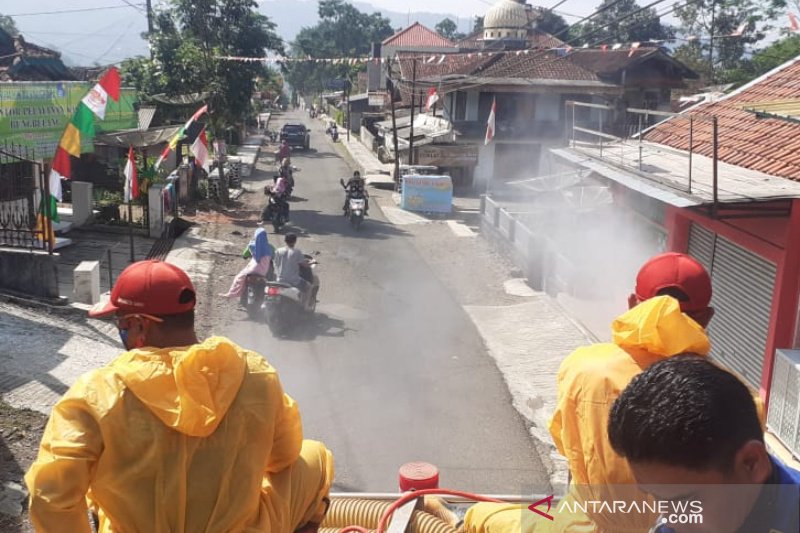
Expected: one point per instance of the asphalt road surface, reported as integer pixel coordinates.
(390, 369)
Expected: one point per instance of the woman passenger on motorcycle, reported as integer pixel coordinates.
(260, 260)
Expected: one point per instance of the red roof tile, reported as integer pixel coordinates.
(771, 146)
(420, 36)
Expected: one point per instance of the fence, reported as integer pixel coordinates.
(22, 185)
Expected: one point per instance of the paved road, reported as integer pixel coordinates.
(391, 369)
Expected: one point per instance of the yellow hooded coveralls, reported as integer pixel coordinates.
(589, 380)
(195, 439)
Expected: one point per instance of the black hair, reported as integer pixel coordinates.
(675, 292)
(290, 239)
(684, 411)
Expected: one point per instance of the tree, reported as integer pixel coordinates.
(765, 60)
(8, 25)
(616, 23)
(477, 26)
(552, 23)
(188, 39)
(448, 29)
(342, 32)
(713, 22)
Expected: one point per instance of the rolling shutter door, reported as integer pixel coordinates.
(743, 283)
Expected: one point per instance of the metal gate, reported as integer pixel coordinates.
(743, 283)
(21, 180)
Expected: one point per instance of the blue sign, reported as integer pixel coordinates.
(427, 194)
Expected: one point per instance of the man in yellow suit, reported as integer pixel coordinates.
(176, 435)
(668, 313)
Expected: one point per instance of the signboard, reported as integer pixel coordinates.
(34, 114)
(428, 194)
(376, 99)
(442, 155)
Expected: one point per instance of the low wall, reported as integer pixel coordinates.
(29, 273)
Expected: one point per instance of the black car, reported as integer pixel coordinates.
(296, 135)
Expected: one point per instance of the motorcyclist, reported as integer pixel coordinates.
(278, 193)
(284, 151)
(286, 172)
(356, 188)
(334, 131)
(288, 263)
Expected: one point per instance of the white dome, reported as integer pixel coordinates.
(506, 14)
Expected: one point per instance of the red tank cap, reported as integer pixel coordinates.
(418, 476)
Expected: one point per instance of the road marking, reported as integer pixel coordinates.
(460, 229)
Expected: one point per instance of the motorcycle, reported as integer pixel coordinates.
(356, 207)
(284, 304)
(276, 211)
(333, 131)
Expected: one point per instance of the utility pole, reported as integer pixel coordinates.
(150, 27)
(390, 87)
(347, 99)
(413, 104)
(711, 42)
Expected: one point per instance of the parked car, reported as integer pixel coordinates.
(296, 135)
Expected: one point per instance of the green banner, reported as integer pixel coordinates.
(34, 114)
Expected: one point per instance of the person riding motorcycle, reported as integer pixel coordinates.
(356, 188)
(293, 267)
(286, 172)
(284, 151)
(278, 193)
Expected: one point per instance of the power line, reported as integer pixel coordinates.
(134, 6)
(80, 10)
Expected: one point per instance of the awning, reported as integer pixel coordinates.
(146, 114)
(138, 139)
(788, 110)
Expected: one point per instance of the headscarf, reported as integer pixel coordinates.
(259, 246)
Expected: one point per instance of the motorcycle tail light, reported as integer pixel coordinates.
(273, 291)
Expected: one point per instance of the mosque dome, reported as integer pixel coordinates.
(505, 19)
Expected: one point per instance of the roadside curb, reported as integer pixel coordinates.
(61, 307)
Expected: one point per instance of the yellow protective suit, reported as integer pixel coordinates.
(197, 439)
(589, 380)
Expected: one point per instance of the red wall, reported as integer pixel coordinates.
(775, 239)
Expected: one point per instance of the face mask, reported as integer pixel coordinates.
(123, 336)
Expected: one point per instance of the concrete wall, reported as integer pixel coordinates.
(485, 169)
(527, 249)
(29, 273)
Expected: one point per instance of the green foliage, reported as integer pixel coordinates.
(342, 31)
(604, 27)
(8, 25)
(765, 60)
(552, 23)
(477, 26)
(189, 37)
(448, 29)
(728, 52)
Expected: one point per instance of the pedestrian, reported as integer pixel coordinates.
(691, 434)
(669, 308)
(176, 434)
(260, 254)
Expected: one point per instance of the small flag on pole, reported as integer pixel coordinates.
(200, 150)
(794, 25)
(131, 178)
(490, 123)
(433, 97)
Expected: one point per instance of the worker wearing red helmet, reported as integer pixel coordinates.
(668, 311)
(176, 434)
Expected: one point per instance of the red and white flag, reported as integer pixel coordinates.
(131, 178)
(490, 123)
(433, 97)
(794, 25)
(200, 150)
(634, 47)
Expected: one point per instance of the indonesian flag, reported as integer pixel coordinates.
(200, 150)
(433, 97)
(79, 130)
(131, 178)
(634, 47)
(490, 123)
(739, 30)
(793, 23)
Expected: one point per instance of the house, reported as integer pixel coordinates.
(721, 182)
(24, 61)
